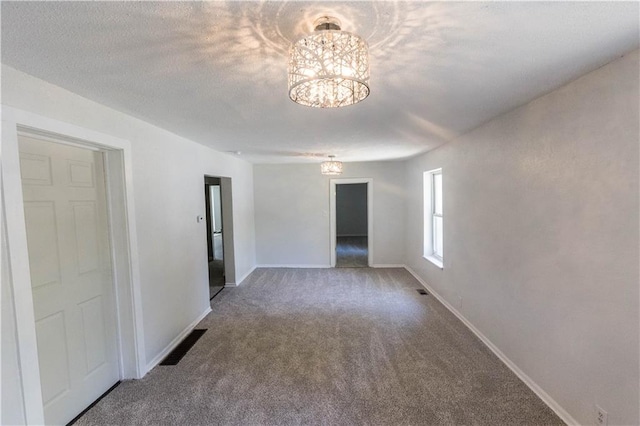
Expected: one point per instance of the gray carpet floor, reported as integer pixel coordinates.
(328, 347)
(352, 252)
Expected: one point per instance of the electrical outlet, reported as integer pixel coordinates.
(601, 416)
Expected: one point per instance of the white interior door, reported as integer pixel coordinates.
(71, 278)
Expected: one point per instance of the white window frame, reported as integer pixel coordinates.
(429, 222)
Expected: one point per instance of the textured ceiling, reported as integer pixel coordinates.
(215, 72)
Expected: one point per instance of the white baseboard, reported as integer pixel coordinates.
(171, 346)
(293, 266)
(241, 280)
(387, 265)
(557, 408)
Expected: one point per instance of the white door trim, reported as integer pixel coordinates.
(126, 273)
(332, 212)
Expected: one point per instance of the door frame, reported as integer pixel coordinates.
(332, 212)
(122, 232)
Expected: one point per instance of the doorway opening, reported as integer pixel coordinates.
(351, 226)
(219, 220)
(351, 223)
(215, 245)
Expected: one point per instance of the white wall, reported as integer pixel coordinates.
(541, 238)
(292, 212)
(168, 179)
(351, 209)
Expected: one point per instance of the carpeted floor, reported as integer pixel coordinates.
(352, 252)
(332, 347)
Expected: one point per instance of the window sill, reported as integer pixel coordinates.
(435, 261)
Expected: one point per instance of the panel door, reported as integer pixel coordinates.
(69, 258)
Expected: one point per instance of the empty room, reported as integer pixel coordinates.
(337, 213)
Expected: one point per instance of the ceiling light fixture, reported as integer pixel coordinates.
(329, 68)
(331, 167)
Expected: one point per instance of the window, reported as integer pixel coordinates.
(433, 217)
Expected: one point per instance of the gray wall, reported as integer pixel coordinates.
(541, 238)
(292, 212)
(351, 209)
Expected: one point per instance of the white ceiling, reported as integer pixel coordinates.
(215, 72)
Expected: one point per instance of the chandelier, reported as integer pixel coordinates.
(329, 68)
(331, 167)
